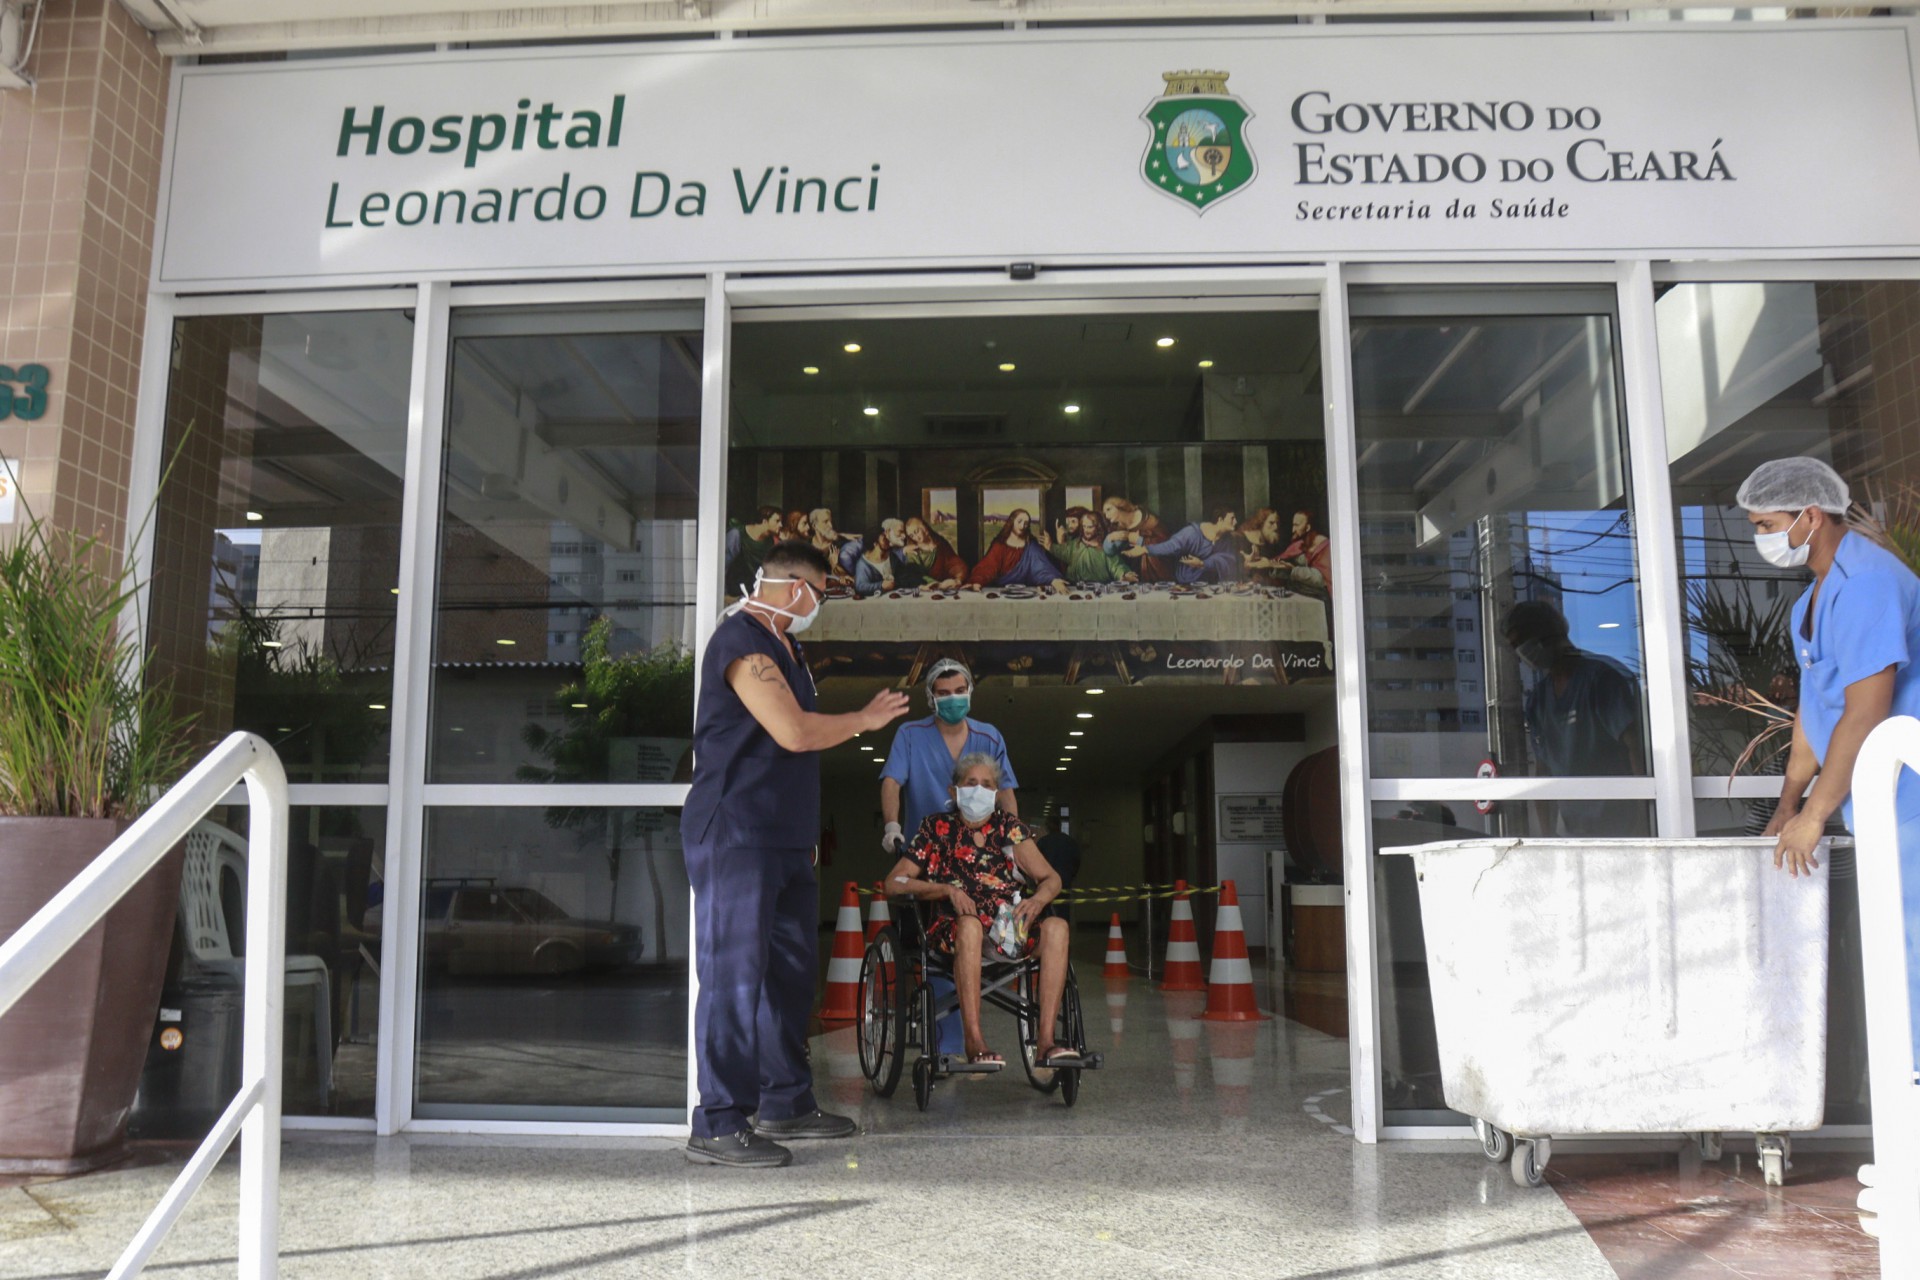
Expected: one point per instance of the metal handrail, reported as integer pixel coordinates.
(1893, 1179)
(254, 1113)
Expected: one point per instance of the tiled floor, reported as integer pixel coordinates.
(1200, 1150)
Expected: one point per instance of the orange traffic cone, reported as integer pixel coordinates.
(842, 1002)
(1116, 950)
(1183, 946)
(878, 914)
(1230, 985)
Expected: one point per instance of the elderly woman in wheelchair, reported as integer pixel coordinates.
(975, 862)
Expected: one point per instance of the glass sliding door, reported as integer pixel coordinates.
(271, 609)
(1501, 618)
(554, 929)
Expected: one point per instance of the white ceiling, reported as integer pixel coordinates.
(243, 26)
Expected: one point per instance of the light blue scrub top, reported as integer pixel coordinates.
(920, 762)
(1866, 619)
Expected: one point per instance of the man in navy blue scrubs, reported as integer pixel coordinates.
(749, 828)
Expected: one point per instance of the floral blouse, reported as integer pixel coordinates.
(945, 850)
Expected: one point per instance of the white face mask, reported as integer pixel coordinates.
(975, 803)
(796, 622)
(1777, 549)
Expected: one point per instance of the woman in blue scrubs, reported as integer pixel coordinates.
(1855, 634)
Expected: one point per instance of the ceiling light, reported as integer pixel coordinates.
(1095, 692)
(1206, 364)
(393, 591)
(285, 728)
(1083, 715)
(376, 706)
(852, 348)
(1071, 746)
(1007, 367)
(272, 644)
(1608, 626)
(507, 642)
(255, 515)
(810, 369)
(455, 729)
(578, 706)
(1059, 768)
(1076, 733)
(871, 411)
(1069, 408)
(1163, 342)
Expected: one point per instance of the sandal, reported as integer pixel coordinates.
(1055, 1056)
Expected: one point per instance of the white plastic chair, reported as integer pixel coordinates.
(211, 851)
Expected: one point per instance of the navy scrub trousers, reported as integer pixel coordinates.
(749, 828)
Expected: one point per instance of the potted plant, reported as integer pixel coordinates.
(85, 745)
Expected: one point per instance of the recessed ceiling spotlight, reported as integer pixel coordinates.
(578, 706)
(1076, 733)
(1608, 626)
(1163, 342)
(1059, 768)
(507, 642)
(393, 591)
(810, 369)
(376, 706)
(1080, 715)
(1072, 746)
(852, 348)
(255, 515)
(1095, 692)
(1007, 366)
(1206, 364)
(871, 412)
(272, 644)
(1069, 408)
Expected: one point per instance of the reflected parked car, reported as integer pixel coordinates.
(479, 926)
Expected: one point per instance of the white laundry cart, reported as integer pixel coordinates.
(1625, 986)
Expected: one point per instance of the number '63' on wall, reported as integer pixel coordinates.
(23, 391)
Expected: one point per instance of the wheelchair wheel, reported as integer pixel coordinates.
(883, 1013)
(922, 1082)
(1041, 1078)
(1073, 1033)
(1069, 1084)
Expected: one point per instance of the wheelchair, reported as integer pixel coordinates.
(899, 1013)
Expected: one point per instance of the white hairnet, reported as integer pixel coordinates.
(1792, 484)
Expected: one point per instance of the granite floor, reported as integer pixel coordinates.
(1200, 1150)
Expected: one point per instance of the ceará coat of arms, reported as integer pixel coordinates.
(1197, 149)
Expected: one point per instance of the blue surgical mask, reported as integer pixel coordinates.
(952, 708)
(975, 803)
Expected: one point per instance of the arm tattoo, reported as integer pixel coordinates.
(765, 669)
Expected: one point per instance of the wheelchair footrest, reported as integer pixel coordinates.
(956, 1064)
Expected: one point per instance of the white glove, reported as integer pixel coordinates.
(893, 838)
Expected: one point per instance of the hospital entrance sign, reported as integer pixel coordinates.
(904, 150)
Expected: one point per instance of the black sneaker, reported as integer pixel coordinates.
(743, 1150)
(816, 1124)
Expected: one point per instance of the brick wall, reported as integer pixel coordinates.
(82, 150)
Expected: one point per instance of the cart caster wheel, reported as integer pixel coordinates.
(1529, 1165)
(923, 1082)
(1496, 1142)
(1709, 1146)
(1775, 1151)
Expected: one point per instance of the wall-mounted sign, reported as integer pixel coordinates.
(23, 391)
(9, 489)
(1055, 147)
(1250, 819)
